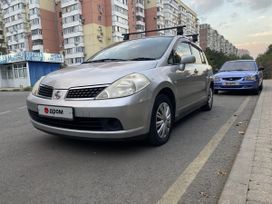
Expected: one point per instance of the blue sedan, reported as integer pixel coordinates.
(239, 75)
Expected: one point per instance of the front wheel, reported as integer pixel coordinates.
(161, 121)
(209, 104)
(261, 86)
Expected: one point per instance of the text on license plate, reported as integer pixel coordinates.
(56, 112)
(231, 83)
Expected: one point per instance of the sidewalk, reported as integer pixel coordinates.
(250, 180)
(14, 89)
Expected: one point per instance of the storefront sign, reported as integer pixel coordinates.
(31, 56)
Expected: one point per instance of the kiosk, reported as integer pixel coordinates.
(23, 69)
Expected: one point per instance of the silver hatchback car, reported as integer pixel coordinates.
(136, 87)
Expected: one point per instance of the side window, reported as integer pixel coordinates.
(181, 50)
(196, 53)
(203, 58)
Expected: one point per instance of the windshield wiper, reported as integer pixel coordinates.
(141, 59)
(104, 60)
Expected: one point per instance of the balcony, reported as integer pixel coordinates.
(138, 13)
(68, 3)
(72, 13)
(140, 23)
(139, 5)
(73, 34)
(120, 4)
(37, 37)
(37, 48)
(71, 24)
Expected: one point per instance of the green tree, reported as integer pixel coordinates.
(265, 61)
(217, 59)
(246, 57)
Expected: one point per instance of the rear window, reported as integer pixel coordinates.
(239, 66)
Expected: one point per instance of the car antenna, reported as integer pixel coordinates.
(180, 31)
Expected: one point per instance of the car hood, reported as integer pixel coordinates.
(94, 73)
(235, 74)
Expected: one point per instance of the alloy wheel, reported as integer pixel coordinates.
(163, 120)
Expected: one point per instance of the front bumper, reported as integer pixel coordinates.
(241, 85)
(133, 112)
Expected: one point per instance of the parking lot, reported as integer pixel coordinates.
(39, 168)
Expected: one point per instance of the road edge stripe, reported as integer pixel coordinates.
(179, 187)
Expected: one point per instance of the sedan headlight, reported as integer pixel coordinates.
(35, 88)
(125, 86)
(250, 78)
(216, 78)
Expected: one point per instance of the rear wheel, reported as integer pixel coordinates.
(215, 91)
(209, 104)
(161, 121)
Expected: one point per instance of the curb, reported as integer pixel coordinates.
(236, 188)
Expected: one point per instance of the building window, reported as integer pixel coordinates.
(79, 60)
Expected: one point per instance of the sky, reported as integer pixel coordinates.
(245, 23)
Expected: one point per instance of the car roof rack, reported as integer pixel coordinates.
(194, 37)
(180, 31)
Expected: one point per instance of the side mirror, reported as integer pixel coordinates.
(188, 59)
(261, 68)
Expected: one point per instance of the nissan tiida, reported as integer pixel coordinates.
(134, 88)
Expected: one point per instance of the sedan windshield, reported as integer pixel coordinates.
(238, 66)
(138, 50)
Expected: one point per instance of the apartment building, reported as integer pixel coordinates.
(43, 26)
(3, 47)
(242, 52)
(17, 28)
(91, 25)
(79, 28)
(30, 25)
(168, 13)
(210, 38)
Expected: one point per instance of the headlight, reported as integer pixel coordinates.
(35, 88)
(250, 78)
(125, 86)
(216, 79)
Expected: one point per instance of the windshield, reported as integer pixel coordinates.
(140, 49)
(238, 66)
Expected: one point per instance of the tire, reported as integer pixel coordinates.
(208, 106)
(261, 86)
(256, 91)
(215, 91)
(160, 135)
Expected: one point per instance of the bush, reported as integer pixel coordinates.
(29, 88)
(217, 59)
(265, 60)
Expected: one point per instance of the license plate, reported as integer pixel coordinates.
(55, 112)
(231, 83)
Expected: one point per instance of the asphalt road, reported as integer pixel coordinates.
(36, 167)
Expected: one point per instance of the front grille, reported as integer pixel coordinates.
(84, 92)
(232, 78)
(80, 123)
(45, 91)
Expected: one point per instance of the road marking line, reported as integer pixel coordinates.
(5, 112)
(23, 107)
(179, 187)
